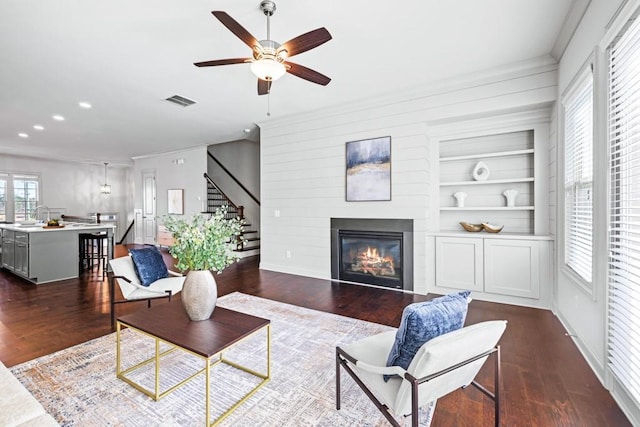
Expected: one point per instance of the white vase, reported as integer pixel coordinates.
(460, 196)
(199, 294)
(510, 195)
(481, 171)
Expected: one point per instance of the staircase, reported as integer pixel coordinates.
(249, 242)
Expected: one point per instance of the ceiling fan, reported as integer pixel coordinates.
(269, 60)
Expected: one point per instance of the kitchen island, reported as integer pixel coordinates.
(41, 254)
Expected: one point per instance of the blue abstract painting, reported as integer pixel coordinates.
(369, 169)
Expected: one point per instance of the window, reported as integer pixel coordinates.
(19, 195)
(3, 196)
(624, 215)
(25, 196)
(578, 176)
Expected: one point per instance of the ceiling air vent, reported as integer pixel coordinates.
(181, 100)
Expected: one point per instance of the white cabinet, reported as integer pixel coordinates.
(505, 266)
(512, 267)
(460, 263)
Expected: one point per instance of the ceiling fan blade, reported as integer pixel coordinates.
(264, 87)
(306, 41)
(307, 74)
(236, 28)
(221, 62)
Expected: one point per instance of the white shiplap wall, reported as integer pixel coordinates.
(303, 164)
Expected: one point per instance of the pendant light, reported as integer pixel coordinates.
(106, 188)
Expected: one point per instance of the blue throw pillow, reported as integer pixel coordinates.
(149, 265)
(424, 321)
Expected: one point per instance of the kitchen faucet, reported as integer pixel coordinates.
(45, 207)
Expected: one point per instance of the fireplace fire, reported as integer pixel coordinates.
(371, 262)
(376, 257)
(375, 252)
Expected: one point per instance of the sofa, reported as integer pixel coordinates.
(17, 406)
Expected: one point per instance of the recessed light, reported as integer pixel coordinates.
(247, 130)
(58, 117)
(38, 127)
(84, 105)
(23, 135)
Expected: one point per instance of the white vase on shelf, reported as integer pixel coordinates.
(510, 195)
(460, 196)
(481, 171)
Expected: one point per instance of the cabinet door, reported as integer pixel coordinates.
(8, 246)
(22, 254)
(459, 263)
(512, 267)
(22, 258)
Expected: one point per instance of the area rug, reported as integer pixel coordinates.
(78, 387)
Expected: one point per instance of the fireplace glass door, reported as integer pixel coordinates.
(369, 257)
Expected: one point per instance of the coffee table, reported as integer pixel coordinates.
(206, 339)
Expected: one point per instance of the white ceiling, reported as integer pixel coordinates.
(125, 57)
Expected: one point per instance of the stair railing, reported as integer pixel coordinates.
(239, 209)
(254, 198)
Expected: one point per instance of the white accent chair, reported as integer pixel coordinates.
(124, 274)
(442, 365)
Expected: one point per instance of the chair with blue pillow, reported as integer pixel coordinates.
(142, 276)
(431, 354)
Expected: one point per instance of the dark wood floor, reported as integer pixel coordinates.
(546, 382)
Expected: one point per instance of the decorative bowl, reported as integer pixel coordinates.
(471, 227)
(491, 228)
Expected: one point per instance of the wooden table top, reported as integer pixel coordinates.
(207, 338)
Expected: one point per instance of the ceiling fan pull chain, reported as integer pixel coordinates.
(269, 104)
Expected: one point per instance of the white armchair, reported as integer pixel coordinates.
(124, 274)
(440, 366)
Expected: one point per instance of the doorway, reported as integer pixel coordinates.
(149, 225)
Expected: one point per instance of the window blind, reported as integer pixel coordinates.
(624, 217)
(578, 177)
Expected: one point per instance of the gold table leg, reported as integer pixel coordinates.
(156, 394)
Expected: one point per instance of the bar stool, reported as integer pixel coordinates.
(92, 252)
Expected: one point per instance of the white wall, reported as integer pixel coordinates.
(76, 186)
(303, 163)
(242, 159)
(584, 313)
(176, 170)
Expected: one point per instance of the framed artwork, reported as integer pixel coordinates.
(175, 199)
(369, 170)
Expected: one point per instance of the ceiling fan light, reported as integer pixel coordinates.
(268, 69)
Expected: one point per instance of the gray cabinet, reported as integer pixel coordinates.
(8, 249)
(21, 255)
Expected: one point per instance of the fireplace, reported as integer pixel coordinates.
(373, 251)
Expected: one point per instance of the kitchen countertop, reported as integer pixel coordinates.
(68, 226)
(42, 255)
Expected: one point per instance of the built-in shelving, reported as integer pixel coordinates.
(487, 155)
(487, 208)
(487, 182)
(512, 265)
(510, 160)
